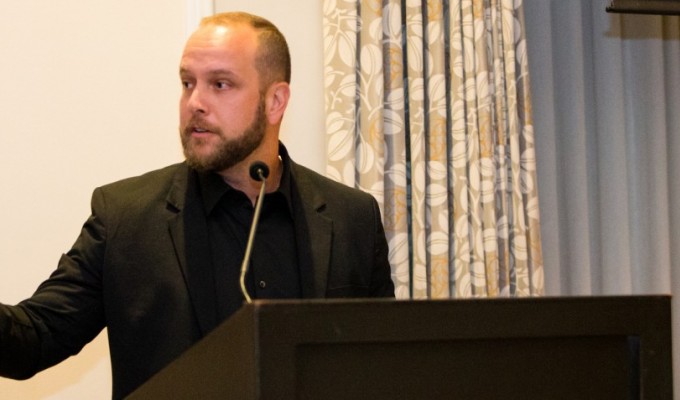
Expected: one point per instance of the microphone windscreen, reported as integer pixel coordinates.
(257, 168)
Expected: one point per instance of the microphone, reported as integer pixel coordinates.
(257, 168)
(259, 171)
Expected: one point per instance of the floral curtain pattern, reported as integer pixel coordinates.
(428, 109)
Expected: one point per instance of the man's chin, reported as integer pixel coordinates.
(200, 159)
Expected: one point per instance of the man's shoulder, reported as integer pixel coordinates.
(156, 176)
(307, 179)
(150, 184)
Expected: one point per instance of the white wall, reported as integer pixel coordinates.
(89, 95)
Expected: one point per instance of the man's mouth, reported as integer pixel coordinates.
(197, 127)
(197, 130)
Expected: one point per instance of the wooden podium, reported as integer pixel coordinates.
(536, 348)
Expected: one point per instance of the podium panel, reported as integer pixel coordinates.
(536, 348)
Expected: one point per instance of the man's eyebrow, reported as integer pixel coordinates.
(221, 73)
(212, 73)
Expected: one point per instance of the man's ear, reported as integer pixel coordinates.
(276, 101)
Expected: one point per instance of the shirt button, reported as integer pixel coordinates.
(263, 284)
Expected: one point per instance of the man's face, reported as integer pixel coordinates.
(222, 112)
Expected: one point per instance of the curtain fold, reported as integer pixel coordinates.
(606, 92)
(428, 109)
(607, 95)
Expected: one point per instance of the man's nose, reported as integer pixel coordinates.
(196, 102)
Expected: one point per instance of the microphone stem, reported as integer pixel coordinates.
(251, 240)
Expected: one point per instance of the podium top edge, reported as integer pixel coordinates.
(262, 304)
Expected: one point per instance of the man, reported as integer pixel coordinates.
(158, 261)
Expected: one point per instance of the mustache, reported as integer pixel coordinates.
(198, 123)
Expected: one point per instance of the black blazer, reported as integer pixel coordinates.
(142, 268)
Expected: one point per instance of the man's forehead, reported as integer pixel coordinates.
(220, 41)
(240, 35)
(215, 56)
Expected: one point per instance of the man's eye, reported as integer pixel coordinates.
(186, 84)
(222, 85)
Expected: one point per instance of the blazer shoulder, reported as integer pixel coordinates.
(154, 184)
(309, 180)
(161, 175)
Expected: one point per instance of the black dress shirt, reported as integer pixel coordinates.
(273, 271)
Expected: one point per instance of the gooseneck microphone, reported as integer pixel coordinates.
(259, 171)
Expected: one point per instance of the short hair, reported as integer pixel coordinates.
(272, 57)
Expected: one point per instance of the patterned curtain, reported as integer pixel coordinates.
(427, 108)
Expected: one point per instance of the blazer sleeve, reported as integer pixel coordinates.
(381, 277)
(66, 311)
(19, 344)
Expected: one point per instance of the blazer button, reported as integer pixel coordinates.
(263, 284)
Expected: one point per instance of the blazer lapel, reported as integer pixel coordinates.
(313, 234)
(189, 233)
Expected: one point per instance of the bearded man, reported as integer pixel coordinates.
(158, 260)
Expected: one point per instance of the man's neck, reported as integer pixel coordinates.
(238, 177)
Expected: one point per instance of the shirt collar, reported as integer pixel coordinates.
(213, 187)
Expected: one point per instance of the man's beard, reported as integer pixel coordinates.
(227, 152)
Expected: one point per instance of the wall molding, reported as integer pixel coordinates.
(195, 10)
